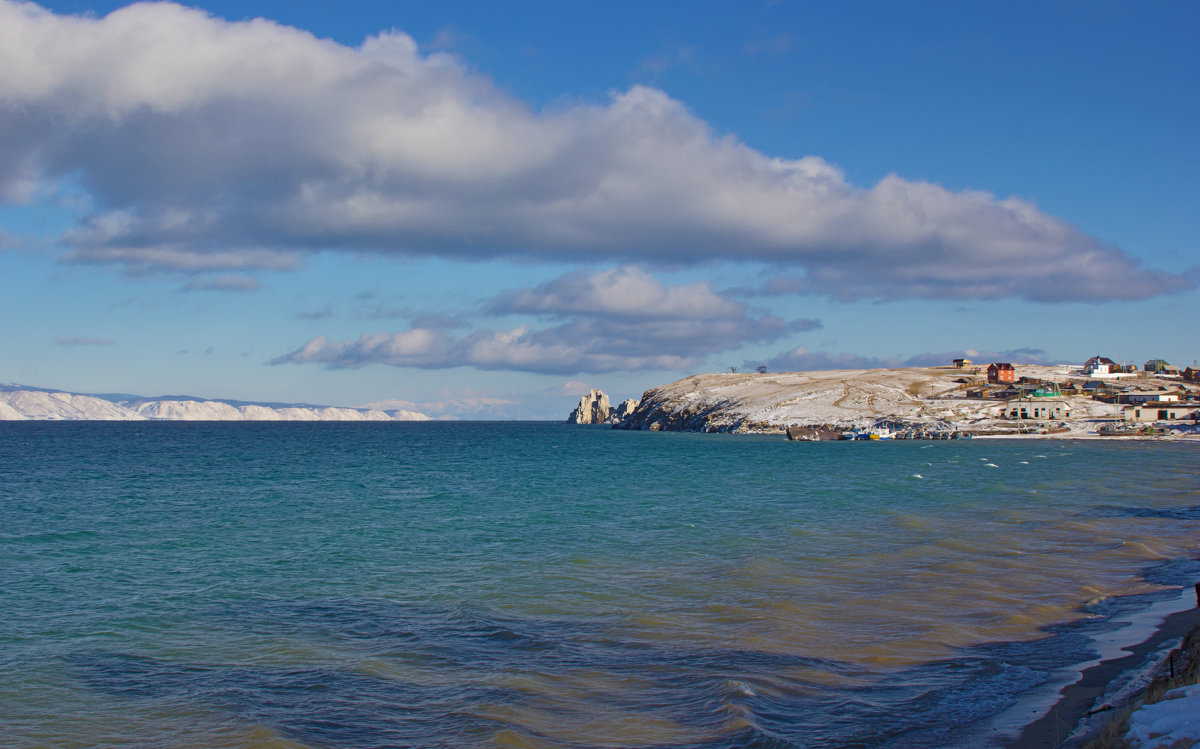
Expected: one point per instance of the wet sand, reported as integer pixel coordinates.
(1078, 701)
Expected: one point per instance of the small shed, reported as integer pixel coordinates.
(960, 363)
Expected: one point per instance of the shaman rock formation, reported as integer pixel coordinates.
(593, 408)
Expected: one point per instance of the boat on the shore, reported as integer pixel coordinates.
(812, 434)
(1118, 429)
(878, 432)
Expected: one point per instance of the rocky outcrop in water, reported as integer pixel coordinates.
(623, 411)
(593, 408)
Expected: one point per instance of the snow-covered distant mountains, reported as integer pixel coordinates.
(23, 403)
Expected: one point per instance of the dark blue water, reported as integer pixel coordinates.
(540, 585)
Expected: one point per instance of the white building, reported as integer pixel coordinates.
(1155, 411)
(1103, 368)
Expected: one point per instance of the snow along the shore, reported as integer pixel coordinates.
(22, 403)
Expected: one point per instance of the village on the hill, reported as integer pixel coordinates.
(1100, 398)
(1157, 392)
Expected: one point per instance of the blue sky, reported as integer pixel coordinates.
(478, 210)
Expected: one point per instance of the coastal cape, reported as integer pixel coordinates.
(927, 400)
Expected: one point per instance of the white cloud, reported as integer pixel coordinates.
(140, 260)
(574, 387)
(620, 319)
(625, 292)
(517, 349)
(194, 135)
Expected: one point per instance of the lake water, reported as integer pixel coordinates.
(542, 585)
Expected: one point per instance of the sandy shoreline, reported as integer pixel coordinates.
(1095, 698)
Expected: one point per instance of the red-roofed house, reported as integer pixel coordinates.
(1001, 372)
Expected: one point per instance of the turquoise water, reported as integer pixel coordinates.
(541, 585)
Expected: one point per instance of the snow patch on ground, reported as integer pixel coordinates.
(1173, 722)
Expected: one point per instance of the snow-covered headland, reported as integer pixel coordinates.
(937, 399)
(23, 403)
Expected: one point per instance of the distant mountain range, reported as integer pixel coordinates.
(25, 403)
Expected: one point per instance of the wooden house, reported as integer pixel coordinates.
(1001, 372)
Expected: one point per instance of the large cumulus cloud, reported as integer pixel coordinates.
(206, 145)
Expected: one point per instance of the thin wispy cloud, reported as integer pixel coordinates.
(453, 405)
(800, 359)
(770, 44)
(382, 311)
(79, 340)
(209, 146)
(324, 313)
(680, 56)
(225, 282)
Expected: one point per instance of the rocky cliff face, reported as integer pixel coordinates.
(593, 408)
(668, 410)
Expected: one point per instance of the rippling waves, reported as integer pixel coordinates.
(538, 585)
